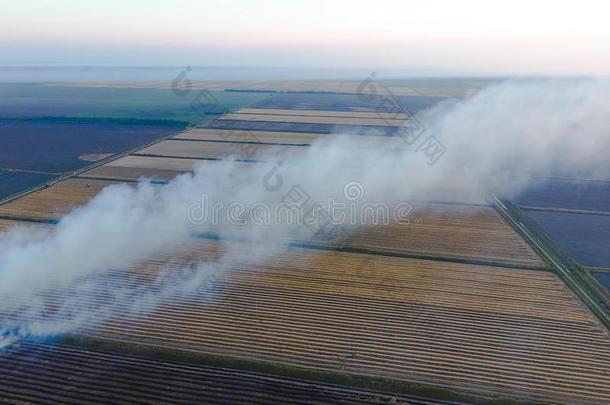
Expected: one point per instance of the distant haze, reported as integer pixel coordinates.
(431, 38)
(41, 73)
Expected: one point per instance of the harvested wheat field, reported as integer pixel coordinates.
(316, 119)
(43, 374)
(481, 328)
(306, 86)
(53, 202)
(229, 135)
(322, 113)
(242, 138)
(135, 167)
(476, 234)
(215, 150)
(427, 92)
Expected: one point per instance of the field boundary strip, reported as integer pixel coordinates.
(196, 158)
(241, 142)
(564, 210)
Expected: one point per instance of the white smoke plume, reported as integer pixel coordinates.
(557, 127)
(492, 140)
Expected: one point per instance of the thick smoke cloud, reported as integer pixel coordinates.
(530, 127)
(492, 141)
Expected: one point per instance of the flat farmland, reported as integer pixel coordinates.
(147, 84)
(296, 85)
(306, 86)
(380, 130)
(323, 86)
(438, 86)
(217, 150)
(591, 195)
(603, 278)
(128, 102)
(53, 202)
(425, 92)
(403, 91)
(454, 298)
(482, 328)
(47, 131)
(46, 374)
(228, 135)
(316, 119)
(585, 237)
(413, 104)
(475, 234)
(55, 146)
(135, 167)
(349, 102)
(12, 182)
(433, 88)
(272, 137)
(130, 168)
(318, 113)
(327, 102)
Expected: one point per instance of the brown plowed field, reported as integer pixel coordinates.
(214, 150)
(134, 167)
(231, 135)
(45, 374)
(458, 232)
(493, 330)
(54, 201)
(286, 138)
(318, 113)
(316, 119)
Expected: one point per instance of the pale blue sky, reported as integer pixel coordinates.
(522, 37)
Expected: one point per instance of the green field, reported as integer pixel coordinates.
(46, 130)
(35, 100)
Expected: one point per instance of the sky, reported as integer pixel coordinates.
(465, 37)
